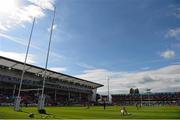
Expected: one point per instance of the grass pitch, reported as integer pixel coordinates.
(111, 112)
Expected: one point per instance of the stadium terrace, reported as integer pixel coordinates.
(60, 89)
(151, 99)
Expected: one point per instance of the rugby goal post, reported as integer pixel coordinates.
(18, 98)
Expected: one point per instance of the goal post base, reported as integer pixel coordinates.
(17, 106)
(41, 102)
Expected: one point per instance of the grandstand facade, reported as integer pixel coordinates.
(60, 89)
(164, 98)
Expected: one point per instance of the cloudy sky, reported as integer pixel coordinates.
(135, 43)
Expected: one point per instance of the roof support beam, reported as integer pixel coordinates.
(50, 74)
(28, 68)
(13, 65)
(39, 72)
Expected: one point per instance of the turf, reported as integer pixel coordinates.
(113, 112)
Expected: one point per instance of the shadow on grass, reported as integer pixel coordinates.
(42, 115)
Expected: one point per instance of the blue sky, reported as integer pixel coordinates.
(93, 39)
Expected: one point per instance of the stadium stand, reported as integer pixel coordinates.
(60, 89)
(164, 98)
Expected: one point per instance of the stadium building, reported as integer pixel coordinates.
(60, 89)
(163, 98)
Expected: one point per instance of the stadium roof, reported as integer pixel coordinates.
(39, 70)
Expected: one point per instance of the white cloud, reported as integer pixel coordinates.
(15, 12)
(54, 27)
(24, 43)
(58, 69)
(95, 74)
(12, 38)
(174, 33)
(145, 68)
(18, 56)
(175, 10)
(176, 45)
(84, 65)
(159, 80)
(44, 4)
(168, 54)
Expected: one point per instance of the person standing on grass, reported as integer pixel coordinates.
(104, 104)
(88, 105)
(137, 106)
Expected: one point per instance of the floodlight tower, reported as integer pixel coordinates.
(148, 92)
(141, 95)
(141, 99)
(18, 98)
(108, 88)
(42, 97)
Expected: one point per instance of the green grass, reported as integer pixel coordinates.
(113, 112)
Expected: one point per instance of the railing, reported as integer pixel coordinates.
(51, 85)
